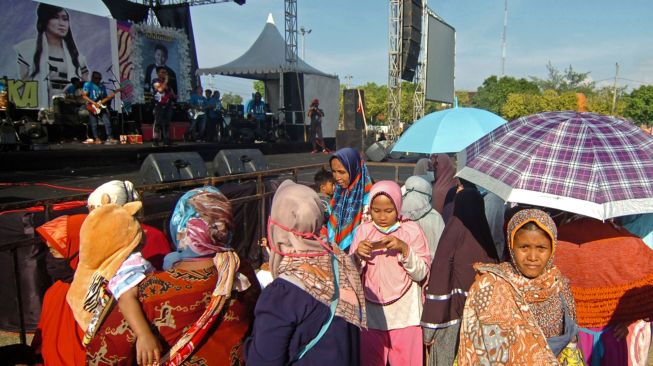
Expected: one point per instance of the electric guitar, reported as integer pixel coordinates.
(97, 108)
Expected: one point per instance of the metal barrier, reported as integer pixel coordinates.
(48, 205)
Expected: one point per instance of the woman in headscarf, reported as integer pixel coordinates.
(201, 306)
(417, 207)
(394, 258)
(353, 185)
(466, 240)
(59, 339)
(423, 169)
(312, 311)
(521, 312)
(58, 336)
(445, 179)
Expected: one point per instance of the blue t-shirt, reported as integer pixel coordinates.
(94, 91)
(215, 106)
(257, 110)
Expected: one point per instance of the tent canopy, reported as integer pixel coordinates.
(265, 59)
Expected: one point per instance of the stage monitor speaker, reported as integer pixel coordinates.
(352, 118)
(378, 151)
(356, 139)
(239, 161)
(170, 167)
(411, 38)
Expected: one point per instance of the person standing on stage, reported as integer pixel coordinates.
(164, 96)
(93, 93)
(198, 105)
(316, 114)
(215, 121)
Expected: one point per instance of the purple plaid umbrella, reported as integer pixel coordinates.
(587, 163)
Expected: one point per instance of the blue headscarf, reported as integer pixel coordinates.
(200, 226)
(347, 204)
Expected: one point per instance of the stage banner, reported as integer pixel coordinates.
(126, 66)
(154, 47)
(47, 45)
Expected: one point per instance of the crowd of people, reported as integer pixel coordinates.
(359, 273)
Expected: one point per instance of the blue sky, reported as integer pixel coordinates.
(350, 37)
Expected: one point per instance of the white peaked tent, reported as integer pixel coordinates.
(266, 60)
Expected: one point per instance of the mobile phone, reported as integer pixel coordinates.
(379, 244)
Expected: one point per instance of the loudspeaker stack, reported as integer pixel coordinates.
(411, 38)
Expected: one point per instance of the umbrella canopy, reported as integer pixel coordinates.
(591, 164)
(447, 131)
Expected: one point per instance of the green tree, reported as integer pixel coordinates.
(565, 81)
(520, 104)
(376, 103)
(464, 98)
(228, 98)
(259, 86)
(639, 105)
(494, 92)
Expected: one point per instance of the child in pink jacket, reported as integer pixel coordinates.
(395, 261)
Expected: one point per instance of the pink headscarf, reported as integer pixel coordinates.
(390, 189)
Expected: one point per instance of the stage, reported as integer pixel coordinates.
(75, 155)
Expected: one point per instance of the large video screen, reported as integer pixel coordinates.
(441, 47)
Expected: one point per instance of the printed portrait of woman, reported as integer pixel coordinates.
(52, 58)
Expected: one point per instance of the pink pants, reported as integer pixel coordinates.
(401, 347)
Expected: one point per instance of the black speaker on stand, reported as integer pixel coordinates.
(411, 38)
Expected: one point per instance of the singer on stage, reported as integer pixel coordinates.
(164, 96)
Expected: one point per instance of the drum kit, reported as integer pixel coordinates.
(246, 129)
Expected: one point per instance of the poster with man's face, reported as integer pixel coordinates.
(160, 51)
(46, 46)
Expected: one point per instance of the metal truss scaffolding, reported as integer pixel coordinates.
(419, 98)
(291, 33)
(394, 69)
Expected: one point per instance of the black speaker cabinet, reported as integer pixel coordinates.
(239, 161)
(357, 139)
(352, 118)
(411, 38)
(170, 167)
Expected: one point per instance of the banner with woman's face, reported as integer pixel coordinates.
(46, 46)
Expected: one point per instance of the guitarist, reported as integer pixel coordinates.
(94, 93)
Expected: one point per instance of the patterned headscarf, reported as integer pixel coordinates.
(347, 204)
(200, 226)
(297, 251)
(543, 292)
(542, 220)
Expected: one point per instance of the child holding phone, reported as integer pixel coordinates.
(395, 261)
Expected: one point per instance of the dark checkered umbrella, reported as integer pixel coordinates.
(587, 163)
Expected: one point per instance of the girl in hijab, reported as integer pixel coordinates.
(445, 179)
(353, 185)
(466, 240)
(199, 309)
(417, 207)
(521, 312)
(394, 258)
(312, 311)
(52, 58)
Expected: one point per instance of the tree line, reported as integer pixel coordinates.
(512, 97)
